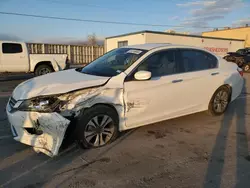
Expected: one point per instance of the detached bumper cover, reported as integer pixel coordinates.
(52, 125)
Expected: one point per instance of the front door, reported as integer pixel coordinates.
(14, 58)
(158, 98)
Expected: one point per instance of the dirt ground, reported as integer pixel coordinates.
(187, 152)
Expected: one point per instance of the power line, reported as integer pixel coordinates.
(100, 21)
(93, 5)
(113, 9)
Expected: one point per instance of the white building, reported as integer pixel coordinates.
(220, 46)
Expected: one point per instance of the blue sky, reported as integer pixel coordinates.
(189, 14)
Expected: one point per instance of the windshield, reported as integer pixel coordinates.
(113, 62)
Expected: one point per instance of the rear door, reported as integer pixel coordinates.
(202, 77)
(14, 57)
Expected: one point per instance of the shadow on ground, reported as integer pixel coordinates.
(26, 168)
(214, 174)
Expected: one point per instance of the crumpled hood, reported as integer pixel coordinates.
(56, 83)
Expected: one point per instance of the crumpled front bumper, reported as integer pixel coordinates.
(51, 128)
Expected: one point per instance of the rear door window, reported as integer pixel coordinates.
(197, 60)
(11, 48)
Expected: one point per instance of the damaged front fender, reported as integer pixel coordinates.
(81, 100)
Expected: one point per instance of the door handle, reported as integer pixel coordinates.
(214, 73)
(176, 81)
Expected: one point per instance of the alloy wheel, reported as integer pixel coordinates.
(99, 130)
(246, 68)
(220, 101)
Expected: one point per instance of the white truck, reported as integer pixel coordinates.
(15, 57)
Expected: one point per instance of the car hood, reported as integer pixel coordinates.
(56, 83)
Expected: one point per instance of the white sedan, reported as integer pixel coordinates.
(126, 88)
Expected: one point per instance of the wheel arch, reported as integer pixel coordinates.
(111, 106)
(49, 63)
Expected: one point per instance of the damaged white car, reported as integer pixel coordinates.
(125, 88)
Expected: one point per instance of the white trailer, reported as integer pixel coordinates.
(219, 46)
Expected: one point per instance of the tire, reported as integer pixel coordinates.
(221, 97)
(246, 68)
(89, 134)
(43, 69)
(240, 62)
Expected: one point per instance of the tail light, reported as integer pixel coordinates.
(240, 71)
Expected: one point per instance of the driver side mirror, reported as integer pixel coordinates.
(142, 75)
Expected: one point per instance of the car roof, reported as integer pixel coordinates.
(148, 46)
(9, 41)
(155, 46)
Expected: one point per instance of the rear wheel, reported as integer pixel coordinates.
(219, 102)
(97, 127)
(246, 67)
(43, 69)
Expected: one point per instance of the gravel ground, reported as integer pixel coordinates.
(187, 152)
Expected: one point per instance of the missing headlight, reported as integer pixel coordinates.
(34, 131)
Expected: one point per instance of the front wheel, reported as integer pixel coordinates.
(97, 127)
(219, 102)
